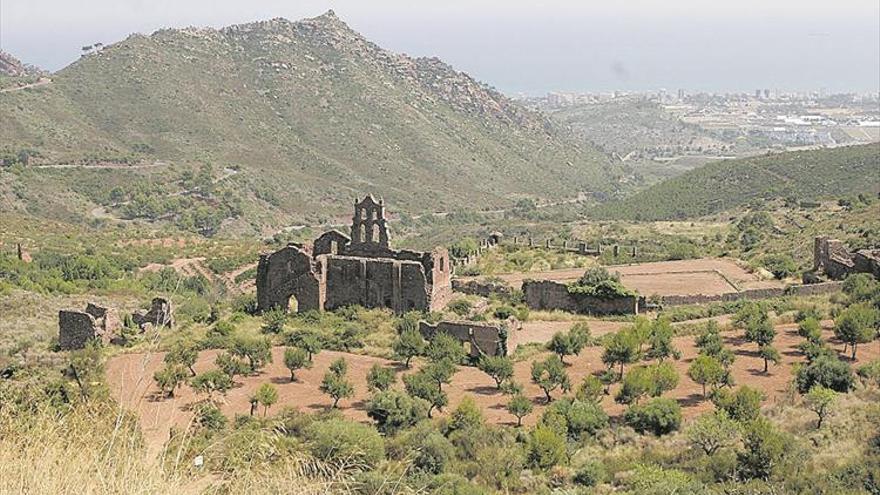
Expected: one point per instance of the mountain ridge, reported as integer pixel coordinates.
(312, 113)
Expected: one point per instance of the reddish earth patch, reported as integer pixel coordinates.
(130, 378)
(542, 331)
(708, 276)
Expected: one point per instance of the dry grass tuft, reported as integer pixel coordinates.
(96, 449)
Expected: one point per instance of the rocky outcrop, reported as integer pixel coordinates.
(11, 66)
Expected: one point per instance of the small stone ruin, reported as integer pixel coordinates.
(479, 338)
(99, 323)
(78, 328)
(832, 258)
(161, 314)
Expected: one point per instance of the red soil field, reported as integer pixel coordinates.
(130, 379)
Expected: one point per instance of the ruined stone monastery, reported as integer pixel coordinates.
(338, 270)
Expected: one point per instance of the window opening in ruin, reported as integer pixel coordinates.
(293, 305)
(375, 233)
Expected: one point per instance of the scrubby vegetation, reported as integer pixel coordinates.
(727, 184)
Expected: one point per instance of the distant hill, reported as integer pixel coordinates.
(309, 113)
(645, 138)
(727, 184)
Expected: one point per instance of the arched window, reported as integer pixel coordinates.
(376, 235)
(362, 233)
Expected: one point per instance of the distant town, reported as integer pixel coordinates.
(767, 118)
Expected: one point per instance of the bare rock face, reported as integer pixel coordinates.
(10, 66)
(13, 67)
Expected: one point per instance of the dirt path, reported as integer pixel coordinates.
(109, 166)
(130, 379)
(43, 81)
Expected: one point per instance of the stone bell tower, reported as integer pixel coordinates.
(368, 226)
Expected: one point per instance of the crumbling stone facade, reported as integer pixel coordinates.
(550, 295)
(831, 257)
(161, 314)
(337, 270)
(479, 338)
(77, 328)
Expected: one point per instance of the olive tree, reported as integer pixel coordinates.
(550, 374)
(820, 400)
(856, 325)
(499, 368)
(295, 359)
(519, 406)
(335, 383)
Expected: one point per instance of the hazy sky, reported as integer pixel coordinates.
(527, 46)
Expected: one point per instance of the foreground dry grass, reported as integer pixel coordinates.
(81, 452)
(96, 449)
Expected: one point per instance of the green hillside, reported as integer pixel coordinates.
(727, 184)
(308, 113)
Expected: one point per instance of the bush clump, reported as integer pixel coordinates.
(658, 416)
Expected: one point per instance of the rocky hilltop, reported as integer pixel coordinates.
(309, 113)
(11, 66)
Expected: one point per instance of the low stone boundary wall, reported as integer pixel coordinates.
(755, 294)
(550, 295)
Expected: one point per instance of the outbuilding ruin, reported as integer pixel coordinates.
(478, 338)
(77, 328)
(831, 257)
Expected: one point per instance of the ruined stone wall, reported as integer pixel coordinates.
(550, 295)
(76, 329)
(481, 338)
(330, 242)
(868, 261)
(830, 256)
(440, 279)
(754, 294)
(376, 283)
(107, 318)
(289, 272)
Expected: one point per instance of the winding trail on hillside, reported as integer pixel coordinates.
(99, 166)
(43, 81)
